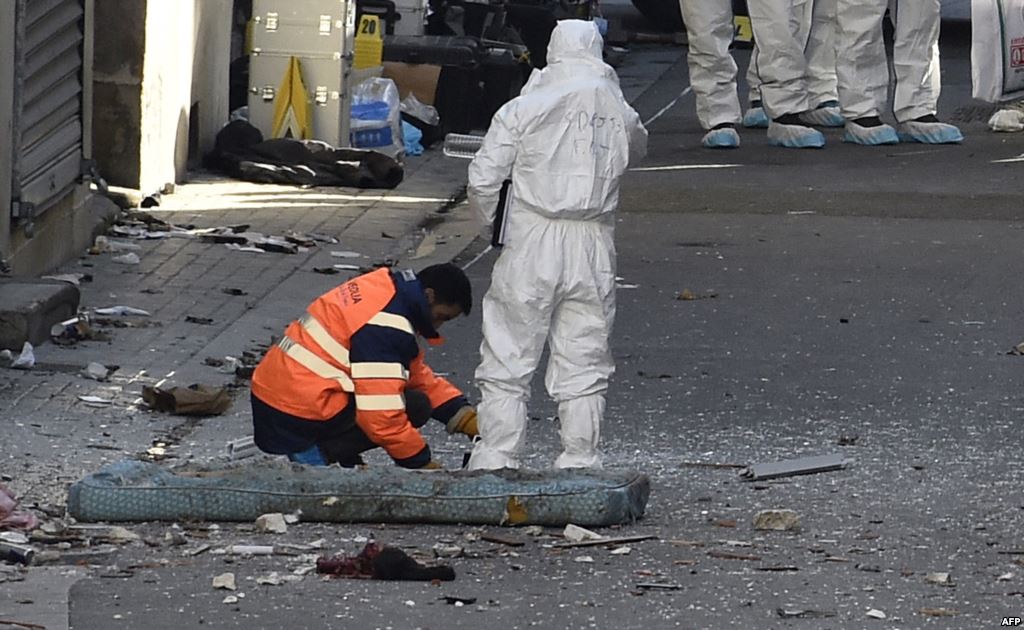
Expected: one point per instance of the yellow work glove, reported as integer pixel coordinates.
(464, 421)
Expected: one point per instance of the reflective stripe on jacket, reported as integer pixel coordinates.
(359, 339)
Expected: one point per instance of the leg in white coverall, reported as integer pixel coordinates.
(782, 68)
(863, 73)
(556, 286)
(817, 28)
(709, 33)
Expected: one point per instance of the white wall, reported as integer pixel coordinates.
(186, 61)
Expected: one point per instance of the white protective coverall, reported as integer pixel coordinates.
(782, 68)
(709, 33)
(564, 142)
(816, 28)
(863, 72)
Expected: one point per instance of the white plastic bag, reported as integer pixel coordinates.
(377, 117)
(997, 49)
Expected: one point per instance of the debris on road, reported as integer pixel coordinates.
(273, 522)
(687, 295)
(382, 563)
(502, 539)
(194, 400)
(874, 613)
(251, 550)
(98, 372)
(131, 258)
(709, 465)
(937, 612)
(224, 581)
(804, 613)
(939, 578)
(606, 540)
(241, 448)
(1017, 350)
(71, 331)
(442, 550)
(120, 311)
(729, 555)
(193, 319)
(575, 533)
(584, 559)
(777, 520)
(330, 271)
(659, 586)
(621, 551)
(792, 467)
(16, 553)
(458, 601)
(24, 361)
(94, 401)
(346, 254)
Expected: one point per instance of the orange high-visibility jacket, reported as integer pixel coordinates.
(357, 339)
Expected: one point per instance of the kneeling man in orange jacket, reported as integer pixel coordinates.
(349, 375)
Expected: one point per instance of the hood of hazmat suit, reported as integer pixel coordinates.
(564, 142)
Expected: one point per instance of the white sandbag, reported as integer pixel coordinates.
(997, 49)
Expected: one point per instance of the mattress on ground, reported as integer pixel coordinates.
(142, 491)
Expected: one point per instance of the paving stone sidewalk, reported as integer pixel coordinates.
(52, 437)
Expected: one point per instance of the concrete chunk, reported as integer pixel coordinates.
(29, 308)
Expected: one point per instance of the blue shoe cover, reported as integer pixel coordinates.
(930, 133)
(870, 136)
(724, 138)
(794, 136)
(755, 118)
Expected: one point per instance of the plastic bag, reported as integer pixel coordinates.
(997, 49)
(420, 111)
(377, 117)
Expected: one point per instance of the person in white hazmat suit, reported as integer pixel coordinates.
(864, 73)
(564, 143)
(782, 67)
(709, 33)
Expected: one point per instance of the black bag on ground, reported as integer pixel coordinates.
(241, 152)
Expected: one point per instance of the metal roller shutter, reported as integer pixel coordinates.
(47, 103)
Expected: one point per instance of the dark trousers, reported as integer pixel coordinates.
(339, 439)
(345, 447)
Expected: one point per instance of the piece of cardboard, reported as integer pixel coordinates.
(418, 78)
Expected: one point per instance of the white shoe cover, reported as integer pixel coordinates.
(724, 138)
(870, 136)
(930, 132)
(794, 136)
(824, 116)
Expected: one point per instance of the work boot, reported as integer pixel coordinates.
(869, 131)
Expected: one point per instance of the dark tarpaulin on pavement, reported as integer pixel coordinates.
(241, 152)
